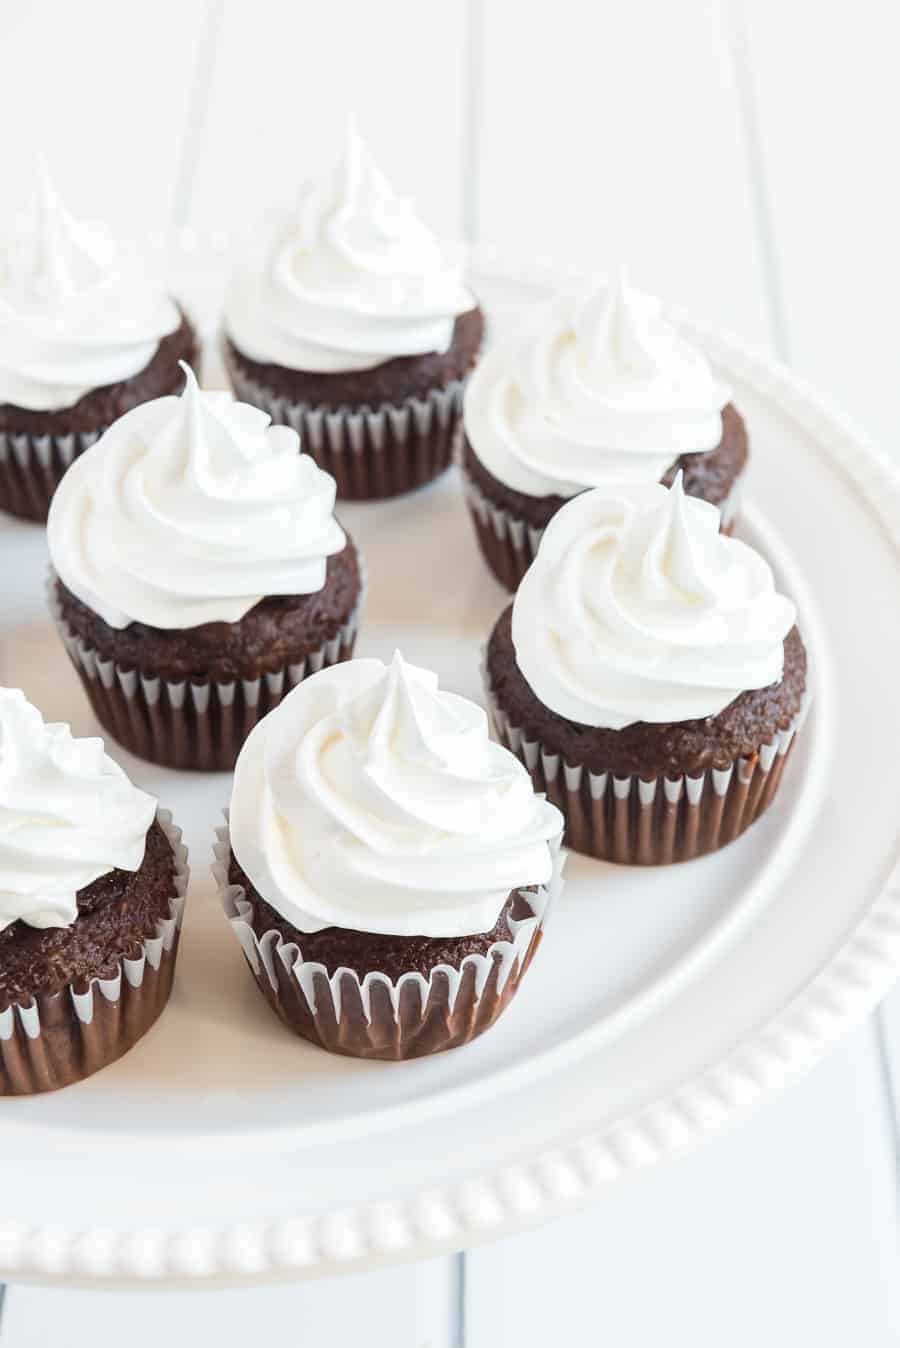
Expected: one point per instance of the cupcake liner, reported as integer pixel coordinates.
(32, 466)
(371, 452)
(653, 822)
(509, 544)
(198, 725)
(65, 1036)
(376, 1016)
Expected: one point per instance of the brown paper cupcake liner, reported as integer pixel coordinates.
(32, 466)
(198, 725)
(653, 822)
(509, 544)
(62, 1037)
(371, 452)
(376, 1016)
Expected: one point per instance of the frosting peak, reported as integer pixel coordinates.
(371, 800)
(636, 608)
(368, 225)
(68, 814)
(76, 311)
(352, 279)
(67, 258)
(602, 390)
(191, 510)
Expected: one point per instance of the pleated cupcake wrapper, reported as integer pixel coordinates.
(376, 1016)
(32, 466)
(371, 453)
(65, 1036)
(651, 823)
(189, 723)
(510, 545)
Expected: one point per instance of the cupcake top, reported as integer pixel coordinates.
(352, 279)
(373, 801)
(68, 814)
(636, 608)
(600, 390)
(77, 312)
(191, 510)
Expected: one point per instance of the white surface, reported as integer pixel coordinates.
(608, 1060)
(94, 116)
(826, 99)
(394, 1308)
(782, 1233)
(632, 150)
(833, 201)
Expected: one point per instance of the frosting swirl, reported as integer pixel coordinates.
(636, 608)
(353, 279)
(191, 510)
(76, 311)
(370, 800)
(68, 814)
(601, 390)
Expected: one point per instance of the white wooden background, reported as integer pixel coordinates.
(740, 156)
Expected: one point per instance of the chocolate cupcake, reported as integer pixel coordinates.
(355, 328)
(649, 676)
(389, 868)
(199, 573)
(85, 335)
(602, 392)
(92, 884)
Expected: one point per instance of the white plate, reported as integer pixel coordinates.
(664, 1003)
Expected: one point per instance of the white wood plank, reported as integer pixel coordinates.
(103, 89)
(286, 78)
(783, 1232)
(823, 90)
(889, 1030)
(408, 1307)
(824, 81)
(611, 133)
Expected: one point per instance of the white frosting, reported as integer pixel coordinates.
(76, 311)
(600, 391)
(353, 279)
(370, 800)
(68, 814)
(191, 510)
(636, 608)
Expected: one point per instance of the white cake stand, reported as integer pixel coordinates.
(663, 1006)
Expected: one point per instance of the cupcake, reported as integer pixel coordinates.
(648, 675)
(389, 868)
(85, 336)
(600, 392)
(92, 884)
(198, 574)
(355, 328)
